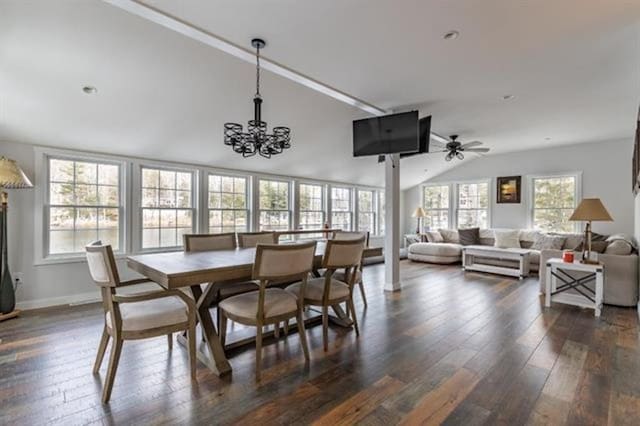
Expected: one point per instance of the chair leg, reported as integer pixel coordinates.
(170, 341)
(353, 315)
(303, 335)
(364, 298)
(192, 350)
(258, 351)
(102, 348)
(325, 328)
(276, 330)
(223, 329)
(116, 349)
(286, 328)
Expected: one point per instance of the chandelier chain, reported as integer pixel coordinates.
(258, 71)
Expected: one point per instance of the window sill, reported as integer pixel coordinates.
(60, 260)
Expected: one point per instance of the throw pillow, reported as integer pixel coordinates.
(449, 236)
(507, 238)
(619, 247)
(434, 237)
(548, 242)
(469, 237)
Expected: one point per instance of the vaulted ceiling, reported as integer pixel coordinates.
(573, 68)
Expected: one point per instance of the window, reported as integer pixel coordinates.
(84, 205)
(341, 208)
(167, 207)
(366, 211)
(473, 205)
(436, 206)
(227, 201)
(274, 205)
(381, 210)
(311, 206)
(554, 199)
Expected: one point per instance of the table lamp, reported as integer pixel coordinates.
(11, 177)
(419, 213)
(590, 209)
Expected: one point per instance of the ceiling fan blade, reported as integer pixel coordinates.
(477, 150)
(471, 144)
(437, 144)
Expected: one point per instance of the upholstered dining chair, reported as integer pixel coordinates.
(270, 305)
(252, 239)
(136, 316)
(327, 291)
(352, 235)
(212, 242)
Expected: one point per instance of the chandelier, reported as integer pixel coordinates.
(256, 140)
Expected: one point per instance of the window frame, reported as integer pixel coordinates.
(374, 209)
(43, 203)
(136, 190)
(577, 175)
(456, 196)
(351, 210)
(298, 206)
(452, 199)
(248, 197)
(290, 203)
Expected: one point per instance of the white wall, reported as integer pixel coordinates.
(606, 173)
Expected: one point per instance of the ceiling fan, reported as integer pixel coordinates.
(455, 149)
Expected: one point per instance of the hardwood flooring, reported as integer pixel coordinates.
(451, 348)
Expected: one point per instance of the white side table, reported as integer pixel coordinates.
(560, 279)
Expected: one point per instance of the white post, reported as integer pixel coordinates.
(392, 223)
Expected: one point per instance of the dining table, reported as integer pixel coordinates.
(202, 273)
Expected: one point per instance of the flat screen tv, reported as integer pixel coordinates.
(389, 134)
(425, 137)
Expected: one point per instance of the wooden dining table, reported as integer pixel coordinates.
(176, 270)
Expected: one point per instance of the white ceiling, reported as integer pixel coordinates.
(573, 67)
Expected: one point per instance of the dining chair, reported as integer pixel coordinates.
(136, 316)
(353, 235)
(213, 242)
(327, 291)
(270, 305)
(252, 239)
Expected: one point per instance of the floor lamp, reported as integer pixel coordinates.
(11, 177)
(419, 213)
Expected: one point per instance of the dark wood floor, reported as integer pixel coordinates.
(450, 348)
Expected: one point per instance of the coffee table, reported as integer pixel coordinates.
(471, 253)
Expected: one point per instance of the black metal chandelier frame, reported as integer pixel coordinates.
(256, 140)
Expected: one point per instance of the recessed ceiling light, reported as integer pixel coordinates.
(547, 139)
(89, 90)
(451, 35)
(508, 97)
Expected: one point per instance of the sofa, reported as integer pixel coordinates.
(621, 268)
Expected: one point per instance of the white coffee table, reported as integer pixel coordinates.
(469, 254)
(584, 296)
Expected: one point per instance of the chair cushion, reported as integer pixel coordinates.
(276, 302)
(340, 276)
(315, 289)
(153, 313)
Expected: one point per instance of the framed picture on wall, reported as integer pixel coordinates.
(509, 189)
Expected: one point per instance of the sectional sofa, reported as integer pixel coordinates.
(620, 260)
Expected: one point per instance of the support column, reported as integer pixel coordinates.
(392, 223)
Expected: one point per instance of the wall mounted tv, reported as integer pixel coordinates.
(425, 138)
(389, 134)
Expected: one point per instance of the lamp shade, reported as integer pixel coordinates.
(419, 212)
(12, 176)
(591, 209)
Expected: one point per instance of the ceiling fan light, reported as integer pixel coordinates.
(460, 156)
(449, 157)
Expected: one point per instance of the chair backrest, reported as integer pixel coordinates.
(102, 265)
(352, 235)
(207, 242)
(252, 239)
(283, 261)
(343, 253)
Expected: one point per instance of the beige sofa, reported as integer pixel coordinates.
(621, 271)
